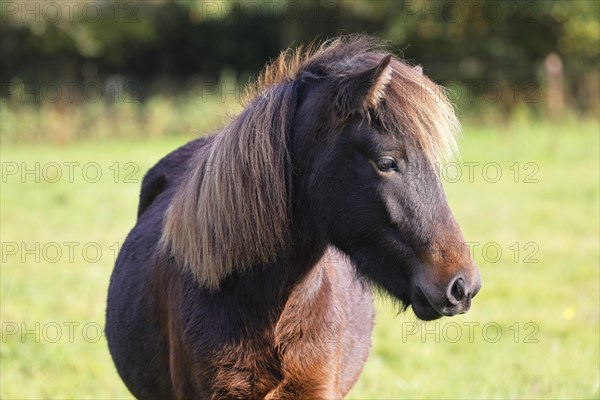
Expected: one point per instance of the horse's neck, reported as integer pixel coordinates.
(308, 287)
(321, 281)
(297, 277)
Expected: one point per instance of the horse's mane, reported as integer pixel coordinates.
(233, 208)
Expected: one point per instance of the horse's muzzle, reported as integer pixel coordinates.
(430, 302)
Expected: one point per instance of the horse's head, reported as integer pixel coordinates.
(377, 127)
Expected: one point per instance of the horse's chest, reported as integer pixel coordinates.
(299, 354)
(248, 370)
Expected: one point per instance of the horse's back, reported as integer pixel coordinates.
(167, 172)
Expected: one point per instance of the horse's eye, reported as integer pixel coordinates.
(387, 164)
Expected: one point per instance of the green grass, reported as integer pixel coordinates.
(547, 310)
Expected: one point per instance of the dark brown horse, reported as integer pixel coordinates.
(248, 274)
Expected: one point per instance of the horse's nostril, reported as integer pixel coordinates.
(456, 291)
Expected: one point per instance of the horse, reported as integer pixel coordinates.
(251, 270)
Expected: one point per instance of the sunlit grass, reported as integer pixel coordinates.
(546, 308)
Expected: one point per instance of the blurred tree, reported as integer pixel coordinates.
(474, 45)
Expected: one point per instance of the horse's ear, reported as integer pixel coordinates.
(364, 90)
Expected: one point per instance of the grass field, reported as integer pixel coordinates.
(533, 331)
